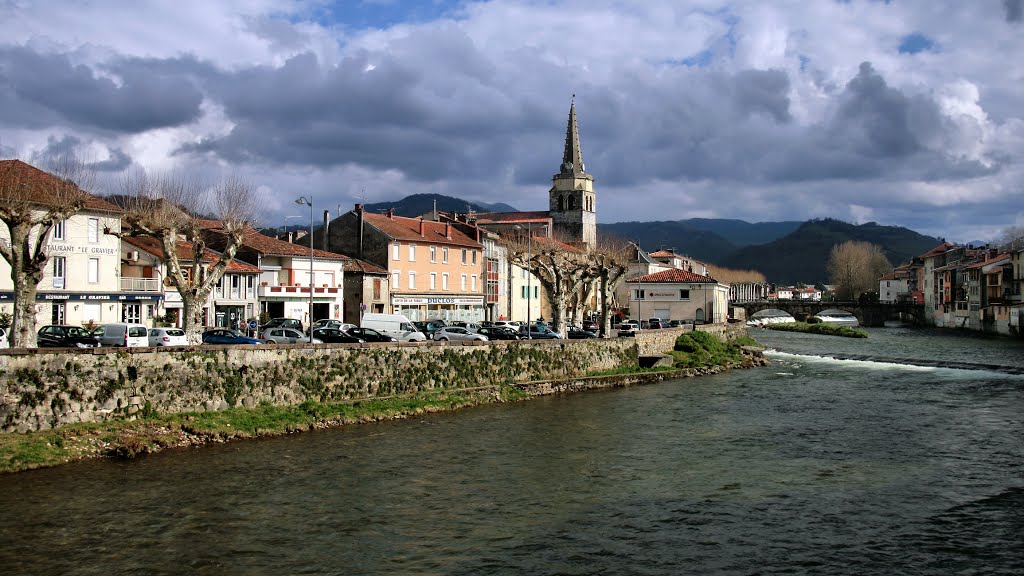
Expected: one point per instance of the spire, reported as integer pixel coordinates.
(572, 157)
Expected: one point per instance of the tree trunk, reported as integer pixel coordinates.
(192, 317)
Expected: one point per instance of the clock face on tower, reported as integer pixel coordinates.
(567, 167)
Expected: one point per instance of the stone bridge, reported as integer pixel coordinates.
(867, 313)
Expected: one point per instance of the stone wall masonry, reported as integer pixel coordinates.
(652, 342)
(42, 389)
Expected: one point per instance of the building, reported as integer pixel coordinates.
(367, 289)
(82, 279)
(678, 295)
(437, 269)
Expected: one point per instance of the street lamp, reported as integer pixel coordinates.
(529, 273)
(303, 200)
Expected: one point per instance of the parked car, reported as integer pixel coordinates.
(506, 324)
(458, 334)
(4, 342)
(654, 324)
(537, 332)
(282, 323)
(428, 327)
(287, 336)
(54, 336)
(580, 334)
(370, 335)
(228, 336)
(330, 323)
(628, 329)
(675, 323)
(398, 326)
(471, 326)
(498, 333)
(591, 325)
(124, 334)
(167, 337)
(335, 336)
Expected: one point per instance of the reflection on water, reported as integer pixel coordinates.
(811, 465)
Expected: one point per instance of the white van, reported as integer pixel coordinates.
(395, 325)
(124, 334)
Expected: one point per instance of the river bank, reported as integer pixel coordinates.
(149, 433)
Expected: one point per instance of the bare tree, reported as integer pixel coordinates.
(610, 260)
(855, 267)
(1011, 238)
(171, 209)
(32, 202)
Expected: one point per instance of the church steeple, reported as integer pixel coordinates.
(572, 156)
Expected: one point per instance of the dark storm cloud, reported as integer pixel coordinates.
(1014, 10)
(73, 147)
(42, 88)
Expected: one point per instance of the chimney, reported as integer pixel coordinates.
(359, 209)
(291, 240)
(391, 213)
(421, 226)
(327, 227)
(448, 230)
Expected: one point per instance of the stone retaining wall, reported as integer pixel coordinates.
(651, 342)
(41, 389)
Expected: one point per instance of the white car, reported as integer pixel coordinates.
(457, 333)
(4, 342)
(343, 326)
(167, 337)
(286, 336)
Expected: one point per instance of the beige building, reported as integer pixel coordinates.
(82, 280)
(678, 295)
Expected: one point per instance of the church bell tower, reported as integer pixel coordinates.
(573, 205)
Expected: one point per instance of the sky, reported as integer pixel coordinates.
(904, 113)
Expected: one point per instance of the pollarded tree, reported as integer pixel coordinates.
(855, 267)
(1011, 238)
(32, 203)
(610, 261)
(171, 209)
(558, 266)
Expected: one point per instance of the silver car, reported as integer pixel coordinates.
(167, 337)
(287, 336)
(456, 334)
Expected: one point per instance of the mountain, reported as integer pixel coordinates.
(802, 256)
(417, 204)
(708, 239)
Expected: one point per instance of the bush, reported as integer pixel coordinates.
(813, 320)
(699, 349)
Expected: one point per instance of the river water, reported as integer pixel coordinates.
(812, 465)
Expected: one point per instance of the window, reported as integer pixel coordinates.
(94, 230)
(94, 270)
(638, 294)
(395, 276)
(433, 253)
(58, 231)
(433, 280)
(463, 283)
(131, 313)
(57, 313)
(444, 255)
(412, 252)
(59, 266)
(474, 256)
(376, 288)
(472, 283)
(525, 293)
(444, 281)
(464, 260)
(412, 280)
(684, 294)
(395, 248)
(536, 292)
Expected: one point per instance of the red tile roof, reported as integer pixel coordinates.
(666, 254)
(41, 185)
(356, 265)
(940, 249)
(272, 246)
(404, 228)
(673, 277)
(185, 252)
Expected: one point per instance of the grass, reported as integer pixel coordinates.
(124, 438)
(826, 329)
(626, 370)
(701, 349)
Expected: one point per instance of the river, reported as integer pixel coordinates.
(813, 465)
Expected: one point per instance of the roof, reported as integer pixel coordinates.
(268, 246)
(185, 252)
(356, 265)
(673, 277)
(1000, 258)
(405, 228)
(512, 217)
(668, 254)
(572, 156)
(41, 185)
(940, 249)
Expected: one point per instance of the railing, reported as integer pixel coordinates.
(140, 284)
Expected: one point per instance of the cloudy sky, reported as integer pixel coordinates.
(902, 112)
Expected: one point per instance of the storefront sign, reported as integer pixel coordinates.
(61, 296)
(660, 294)
(463, 301)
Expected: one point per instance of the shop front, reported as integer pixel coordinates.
(448, 308)
(85, 308)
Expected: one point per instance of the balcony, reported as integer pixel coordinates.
(140, 284)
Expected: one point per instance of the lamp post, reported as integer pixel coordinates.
(529, 273)
(300, 201)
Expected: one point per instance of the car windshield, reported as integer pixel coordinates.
(175, 332)
(77, 332)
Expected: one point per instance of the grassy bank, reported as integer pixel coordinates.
(130, 438)
(820, 328)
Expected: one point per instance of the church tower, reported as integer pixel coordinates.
(573, 207)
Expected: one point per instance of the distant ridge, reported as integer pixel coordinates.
(417, 204)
